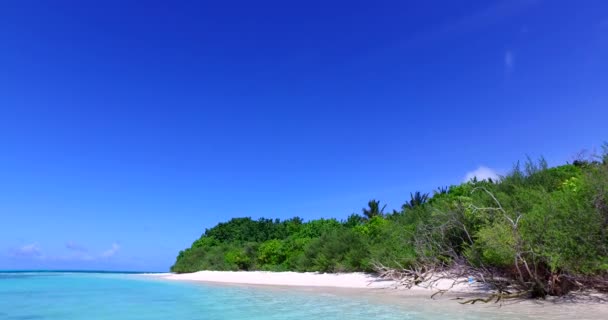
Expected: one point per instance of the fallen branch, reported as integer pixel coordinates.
(497, 296)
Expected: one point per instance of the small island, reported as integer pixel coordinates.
(536, 232)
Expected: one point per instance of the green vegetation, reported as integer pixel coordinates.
(545, 228)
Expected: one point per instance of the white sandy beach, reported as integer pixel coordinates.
(311, 279)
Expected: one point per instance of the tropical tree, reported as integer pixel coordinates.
(416, 199)
(441, 190)
(373, 209)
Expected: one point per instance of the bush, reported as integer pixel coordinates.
(337, 251)
(271, 254)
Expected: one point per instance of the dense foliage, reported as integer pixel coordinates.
(551, 220)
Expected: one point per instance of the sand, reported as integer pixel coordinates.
(357, 280)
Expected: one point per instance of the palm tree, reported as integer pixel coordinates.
(373, 210)
(442, 190)
(416, 199)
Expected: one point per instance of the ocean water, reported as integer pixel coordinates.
(80, 296)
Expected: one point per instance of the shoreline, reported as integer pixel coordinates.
(367, 287)
(364, 283)
(354, 280)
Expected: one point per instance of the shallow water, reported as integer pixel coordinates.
(71, 296)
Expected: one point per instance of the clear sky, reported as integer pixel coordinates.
(127, 128)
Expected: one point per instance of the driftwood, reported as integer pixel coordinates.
(404, 277)
(497, 296)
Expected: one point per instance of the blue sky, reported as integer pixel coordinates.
(127, 128)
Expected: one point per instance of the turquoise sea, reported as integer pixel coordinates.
(80, 296)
